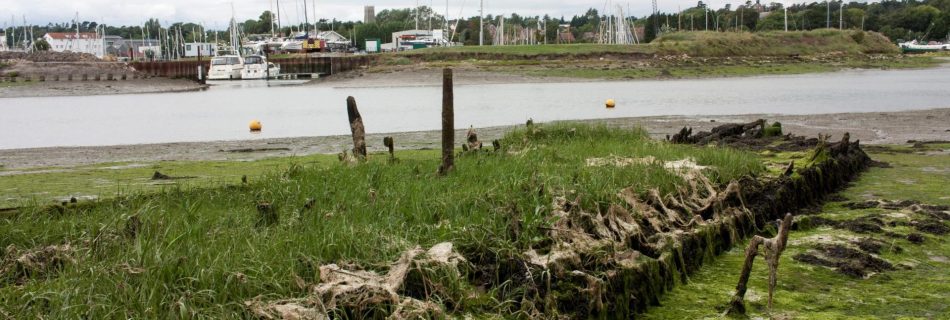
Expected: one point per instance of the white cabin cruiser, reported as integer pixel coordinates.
(227, 67)
(257, 67)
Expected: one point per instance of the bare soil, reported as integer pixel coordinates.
(422, 76)
(90, 88)
(870, 128)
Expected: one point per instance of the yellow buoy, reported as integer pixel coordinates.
(611, 104)
(255, 125)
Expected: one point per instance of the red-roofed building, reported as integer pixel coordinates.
(86, 42)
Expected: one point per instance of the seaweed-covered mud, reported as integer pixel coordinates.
(878, 227)
(874, 250)
(610, 259)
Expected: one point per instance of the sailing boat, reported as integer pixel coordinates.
(915, 47)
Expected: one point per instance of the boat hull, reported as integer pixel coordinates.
(259, 73)
(225, 73)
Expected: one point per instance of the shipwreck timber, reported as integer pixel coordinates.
(615, 260)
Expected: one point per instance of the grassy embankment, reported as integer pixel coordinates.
(678, 55)
(5, 84)
(918, 289)
(200, 251)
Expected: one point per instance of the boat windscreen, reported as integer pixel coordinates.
(253, 60)
(219, 61)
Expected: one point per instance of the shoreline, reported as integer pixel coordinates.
(99, 88)
(870, 128)
(428, 74)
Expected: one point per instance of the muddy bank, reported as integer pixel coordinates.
(870, 128)
(91, 88)
(381, 76)
(63, 74)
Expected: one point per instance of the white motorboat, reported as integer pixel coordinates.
(257, 67)
(292, 45)
(228, 67)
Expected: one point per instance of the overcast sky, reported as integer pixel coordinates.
(217, 12)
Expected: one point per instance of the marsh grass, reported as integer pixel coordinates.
(199, 251)
(699, 44)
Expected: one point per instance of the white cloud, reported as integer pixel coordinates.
(218, 12)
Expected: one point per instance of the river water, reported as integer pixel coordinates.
(223, 111)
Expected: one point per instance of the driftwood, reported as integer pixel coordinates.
(357, 129)
(472, 143)
(751, 129)
(773, 248)
(448, 123)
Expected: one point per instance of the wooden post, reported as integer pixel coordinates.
(391, 144)
(448, 123)
(356, 128)
(773, 250)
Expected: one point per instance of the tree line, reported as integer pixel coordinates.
(896, 19)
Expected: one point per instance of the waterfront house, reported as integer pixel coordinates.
(86, 42)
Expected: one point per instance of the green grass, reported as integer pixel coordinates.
(774, 43)
(48, 185)
(202, 254)
(685, 55)
(15, 84)
(696, 44)
(532, 50)
(811, 292)
(737, 69)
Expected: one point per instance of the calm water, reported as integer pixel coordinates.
(223, 112)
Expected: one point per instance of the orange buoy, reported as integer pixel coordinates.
(611, 104)
(255, 126)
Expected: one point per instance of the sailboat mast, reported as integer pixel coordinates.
(481, 23)
(279, 28)
(272, 18)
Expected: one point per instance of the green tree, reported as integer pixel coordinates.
(41, 45)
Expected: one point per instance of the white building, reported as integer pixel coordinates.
(87, 42)
(192, 49)
(416, 39)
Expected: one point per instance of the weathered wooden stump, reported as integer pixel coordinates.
(773, 250)
(266, 214)
(472, 140)
(448, 123)
(356, 128)
(391, 145)
(133, 226)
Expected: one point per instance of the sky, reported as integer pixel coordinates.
(217, 13)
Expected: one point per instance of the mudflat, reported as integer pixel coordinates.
(869, 128)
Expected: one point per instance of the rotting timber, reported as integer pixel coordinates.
(611, 261)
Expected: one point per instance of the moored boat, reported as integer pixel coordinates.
(915, 47)
(227, 67)
(257, 67)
